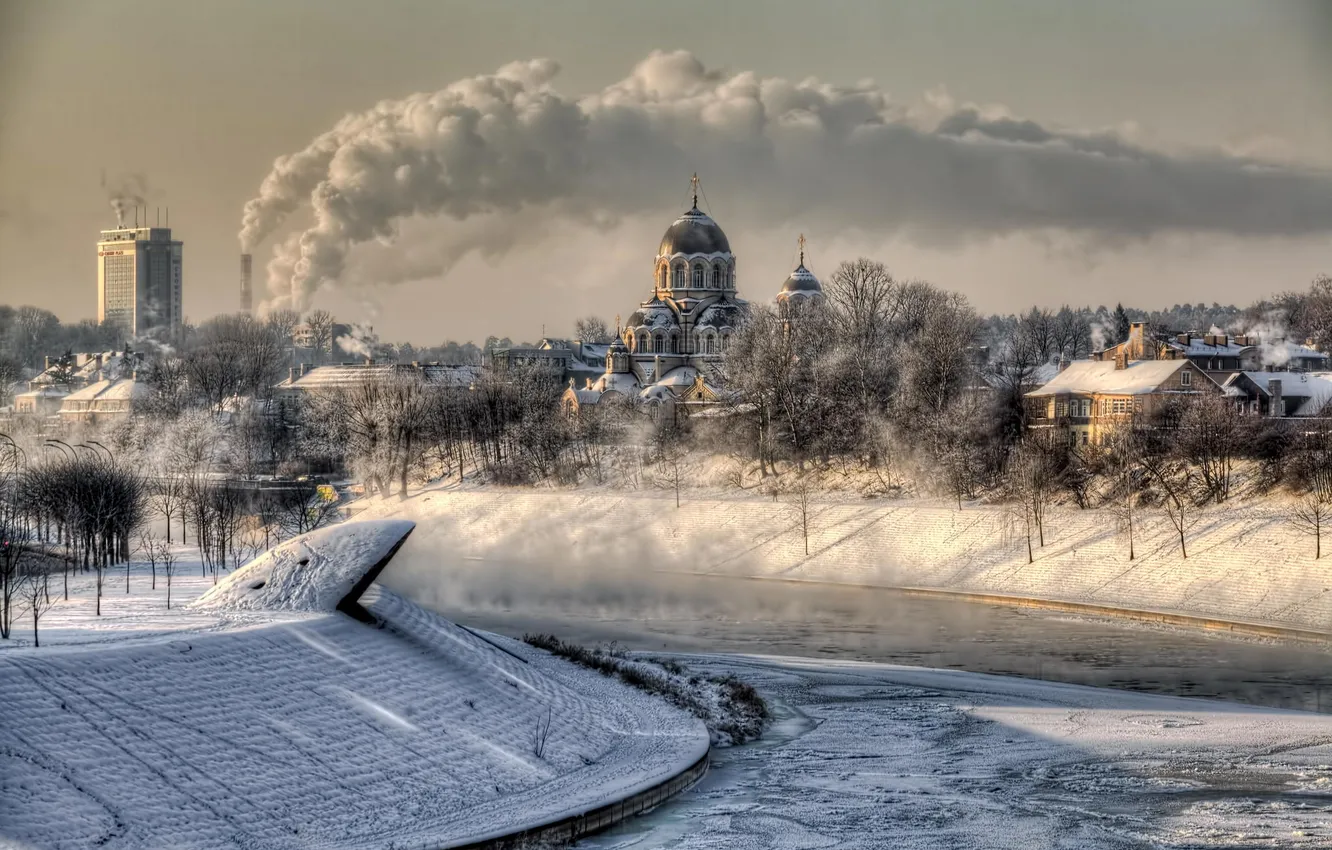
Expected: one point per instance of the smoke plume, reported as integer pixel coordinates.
(124, 192)
(505, 144)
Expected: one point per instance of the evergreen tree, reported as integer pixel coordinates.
(1121, 323)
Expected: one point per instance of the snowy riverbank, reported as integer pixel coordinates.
(1245, 561)
(219, 727)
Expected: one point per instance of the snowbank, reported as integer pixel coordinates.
(313, 572)
(1245, 560)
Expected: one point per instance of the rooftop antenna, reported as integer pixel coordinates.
(136, 216)
(159, 216)
(168, 217)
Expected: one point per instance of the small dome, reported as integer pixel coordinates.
(802, 280)
(723, 314)
(694, 233)
(617, 346)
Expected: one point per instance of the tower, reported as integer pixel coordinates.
(139, 280)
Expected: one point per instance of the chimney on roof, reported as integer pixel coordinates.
(1063, 362)
(1121, 358)
(1182, 339)
(1276, 404)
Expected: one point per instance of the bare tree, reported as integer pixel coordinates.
(320, 324)
(148, 548)
(800, 500)
(1210, 436)
(1124, 472)
(592, 329)
(1034, 479)
(167, 556)
(35, 591)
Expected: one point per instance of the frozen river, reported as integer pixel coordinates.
(873, 755)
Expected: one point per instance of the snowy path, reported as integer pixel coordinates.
(870, 755)
(216, 729)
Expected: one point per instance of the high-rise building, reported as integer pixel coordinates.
(139, 280)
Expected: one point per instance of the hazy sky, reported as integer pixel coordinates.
(199, 98)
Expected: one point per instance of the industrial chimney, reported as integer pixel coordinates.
(246, 291)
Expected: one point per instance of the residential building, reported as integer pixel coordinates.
(1090, 398)
(1218, 353)
(139, 281)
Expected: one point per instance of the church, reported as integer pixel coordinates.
(670, 349)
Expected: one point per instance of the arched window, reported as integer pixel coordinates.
(642, 342)
(675, 344)
(663, 276)
(717, 276)
(679, 277)
(698, 277)
(725, 342)
(659, 344)
(710, 344)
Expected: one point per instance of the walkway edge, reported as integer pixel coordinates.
(573, 827)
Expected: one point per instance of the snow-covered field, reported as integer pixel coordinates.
(873, 756)
(223, 726)
(1245, 560)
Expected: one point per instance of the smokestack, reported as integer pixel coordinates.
(246, 289)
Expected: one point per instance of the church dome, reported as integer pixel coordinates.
(802, 280)
(694, 233)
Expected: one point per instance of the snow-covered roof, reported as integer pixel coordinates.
(620, 382)
(723, 314)
(681, 376)
(1198, 347)
(653, 314)
(1139, 377)
(120, 390)
(1293, 384)
(42, 392)
(344, 375)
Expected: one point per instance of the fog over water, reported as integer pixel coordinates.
(643, 608)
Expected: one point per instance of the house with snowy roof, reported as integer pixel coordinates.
(1090, 398)
(1279, 393)
(309, 378)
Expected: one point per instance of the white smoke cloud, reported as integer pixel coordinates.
(507, 144)
(1271, 331)
(125, 191)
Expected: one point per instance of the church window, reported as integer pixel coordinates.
(698, 277)
(642, 342)
(725, 342)
(659, 344)
(675, 344)
(709, 344)
(664, 280)
(679, 277)
(717, 277)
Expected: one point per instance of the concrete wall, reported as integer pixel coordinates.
(1245, 562)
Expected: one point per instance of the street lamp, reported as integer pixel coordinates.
(110, 457)
(54, 442)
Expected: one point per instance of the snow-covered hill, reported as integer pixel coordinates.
(308, 728)
(1245, 561)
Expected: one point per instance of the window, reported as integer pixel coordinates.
(663, 276)
(659, 344)
(1186, 378)
(709, 344)
(679, 277)
(1120, 406)
(717, 276)
(675, 343)
(725, 342)
(642, 342)
(698, 277)
(1061, 409)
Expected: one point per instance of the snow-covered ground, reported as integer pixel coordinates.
(219, 725)
(873, 756)
(1246, 562)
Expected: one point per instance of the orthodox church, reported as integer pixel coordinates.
(671, 347)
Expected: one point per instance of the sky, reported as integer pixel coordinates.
(1018, 152)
